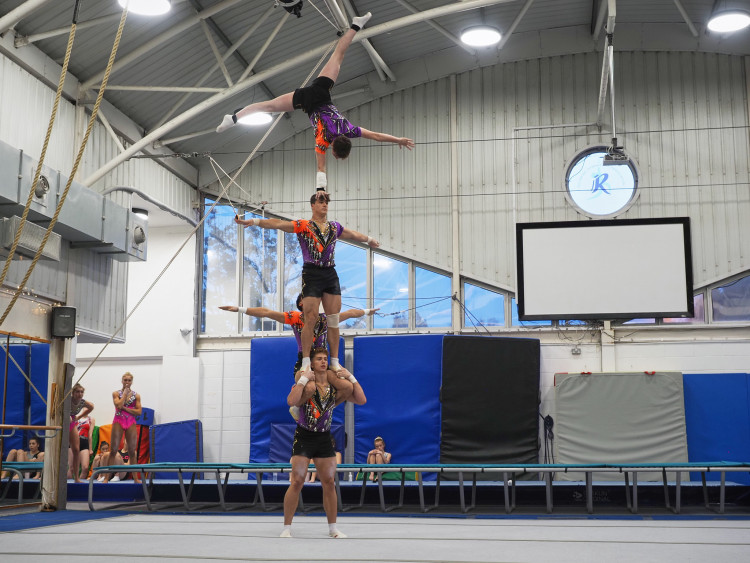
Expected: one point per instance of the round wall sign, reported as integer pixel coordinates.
(600, 190)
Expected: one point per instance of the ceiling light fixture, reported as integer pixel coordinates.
(142, 213)
(146, 7)
(481, 36)
(729, 16)
(259, 118)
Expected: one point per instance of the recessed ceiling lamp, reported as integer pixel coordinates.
(729, 16)
(146, 7)
(481, 36)
(259, 118)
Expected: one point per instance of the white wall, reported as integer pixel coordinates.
(166, 374)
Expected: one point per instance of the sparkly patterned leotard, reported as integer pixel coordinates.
(317, 248)
(124, 418)
(317, 413)
(328, 124)
(296, 320)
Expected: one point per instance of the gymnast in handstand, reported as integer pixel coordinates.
(331, 128)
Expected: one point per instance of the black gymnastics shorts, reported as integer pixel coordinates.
(312, 444)
(83, 443)
(316, 281)
(314, 95)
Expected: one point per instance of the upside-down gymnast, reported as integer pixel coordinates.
(331, 128)
(320, 282)
(312, 438)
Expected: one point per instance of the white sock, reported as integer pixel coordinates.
(305, 364)
(334, 532)
(359, 22)
(226, 123)
(335, 366)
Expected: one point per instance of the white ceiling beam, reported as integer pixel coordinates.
(192, 89)
(150, 46)
(248, 83)
(265, 46)
(215, 51)
(685, 17)
(515, 23)
(377, 61)
(236, 45)
(10, 19)
(23, 41)
(600, 15)
(439, 28)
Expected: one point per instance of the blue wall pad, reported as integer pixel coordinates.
(271, 365)
(17, 396)
(176, 441)
(717, 418)
(401, 376)
(39, 374)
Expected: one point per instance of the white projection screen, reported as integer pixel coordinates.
(608, 269)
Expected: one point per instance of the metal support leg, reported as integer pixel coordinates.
(722, 491)
(666, 489)
(705, 489)
(505, 492)
(548, 487)
(627, 492)
(421, 492)
(461, 491)
(635, 492)
(589, 492)
(677, 493)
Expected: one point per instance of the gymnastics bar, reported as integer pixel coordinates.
(508, 472)
(19, 468)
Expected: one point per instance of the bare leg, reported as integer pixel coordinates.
(326, 467)
(331, 305)
(85, 460)
(277, 105)
(13, 455)
(131, 439)
(333, 66)
(310, 306)
(114, 445)
(296, 481)
(75, 447)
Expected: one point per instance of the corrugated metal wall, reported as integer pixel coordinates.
(97, 283)
(682, 116)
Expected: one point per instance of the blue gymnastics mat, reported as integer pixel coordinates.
(401, 376)
(271, 365)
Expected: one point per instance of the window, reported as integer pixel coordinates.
(515, 321)
(483, 307)
(351, 266)
(259, 273)
(433, 303)
(731, 302)
(390, 279)
(219, 270)
(292, 273)
(698, 318)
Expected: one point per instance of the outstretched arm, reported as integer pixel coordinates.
(359, 237)
(286, 226)
(356, 313)
(402, 142)
(259, 312)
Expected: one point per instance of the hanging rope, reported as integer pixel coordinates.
(51, 124)
(92, 120)
(191, 234)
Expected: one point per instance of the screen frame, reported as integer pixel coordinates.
(521, 298)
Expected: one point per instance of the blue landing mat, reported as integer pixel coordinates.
(15, 522)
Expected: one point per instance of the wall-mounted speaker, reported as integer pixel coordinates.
(63, 322)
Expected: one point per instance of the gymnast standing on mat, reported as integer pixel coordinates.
(331, 128)
(320, 282)
(312, 439)
(127, 406)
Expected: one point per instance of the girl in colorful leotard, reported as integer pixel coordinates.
(127, 407)
(79, 408)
